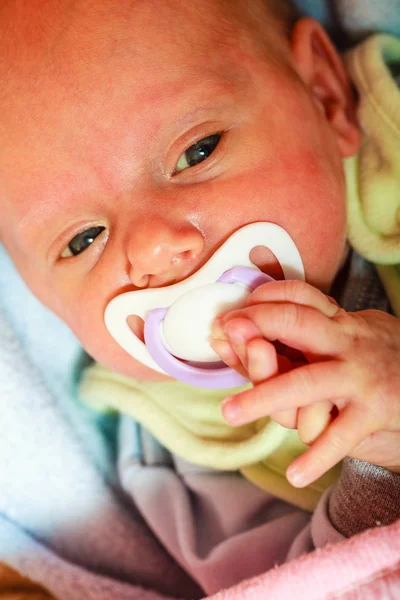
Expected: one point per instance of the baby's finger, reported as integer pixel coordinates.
(295, 291)
(303, 386)
(313, 420)
(262, 360)
(245, 332)
(346, 432)
(300, 327)
(228, 356)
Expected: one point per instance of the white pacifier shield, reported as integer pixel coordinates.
(186, 328)
(233, 253)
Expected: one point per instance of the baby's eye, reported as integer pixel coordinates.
(82, 241)
(197, 152)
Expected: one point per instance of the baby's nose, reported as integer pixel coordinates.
(161, 253)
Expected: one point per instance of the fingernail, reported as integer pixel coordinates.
(231, 410)
(296, 477)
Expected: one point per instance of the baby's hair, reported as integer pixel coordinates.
(267, 17)
(284, 12)
(266, 24)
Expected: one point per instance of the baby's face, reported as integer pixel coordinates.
(136, 145)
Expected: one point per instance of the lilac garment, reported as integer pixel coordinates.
(222, 530)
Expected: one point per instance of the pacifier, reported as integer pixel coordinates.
(178, 318)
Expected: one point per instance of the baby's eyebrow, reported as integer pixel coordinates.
(206, 110)
(41, 212)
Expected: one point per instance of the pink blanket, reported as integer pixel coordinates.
(366, 566)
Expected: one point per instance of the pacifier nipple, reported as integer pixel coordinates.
(182, 332)
(186, 327)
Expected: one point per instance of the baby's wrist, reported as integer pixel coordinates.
(349, 510)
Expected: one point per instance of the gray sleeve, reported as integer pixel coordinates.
(365, 496)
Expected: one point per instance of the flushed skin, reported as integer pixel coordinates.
(96, 115)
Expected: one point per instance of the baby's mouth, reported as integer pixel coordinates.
(260, 256)
(260, 246)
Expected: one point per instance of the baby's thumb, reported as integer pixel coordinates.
(313, 420)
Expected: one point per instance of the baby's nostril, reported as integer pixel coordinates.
(187, 255)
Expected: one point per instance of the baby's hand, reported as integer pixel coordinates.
(344, 398)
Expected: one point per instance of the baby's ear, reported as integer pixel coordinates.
(320, 67)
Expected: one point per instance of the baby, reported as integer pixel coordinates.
(135, 143)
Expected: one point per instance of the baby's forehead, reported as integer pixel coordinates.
(92, 53)
(69, 75)
(39, 31)
(83, 67)
(82, 48)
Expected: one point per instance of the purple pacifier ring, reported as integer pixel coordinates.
(247, 276)
(219, 378)
(211, 377)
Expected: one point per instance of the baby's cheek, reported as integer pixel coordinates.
(327, 258)
(322, 236)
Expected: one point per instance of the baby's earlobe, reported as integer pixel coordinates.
(348, 133)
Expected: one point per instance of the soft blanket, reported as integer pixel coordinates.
(66, 525)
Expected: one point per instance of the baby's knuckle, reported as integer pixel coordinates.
(338, 442)
(304, 381)
(355, 331)
(341, 317)
(361, 330)
(294, 290)
(252, 404)
(289, 317)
